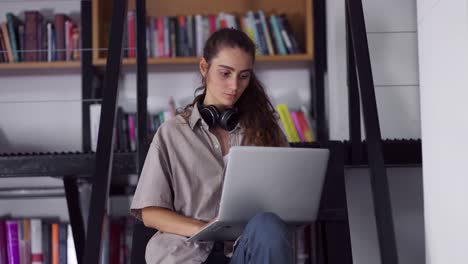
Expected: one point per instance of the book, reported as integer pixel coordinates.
(30, 35)
(21, 241)
(284, 34)
(281, 49)
(287, 122)
(46, 241)
(266, 31)
(3, 51)
(62, 242)
(54, 238)
(12, 242)
(262, 42)
(41, 39)
(290, 33)
(131, 23)
(37, 256)
(6, 38)
(21, 35)
(299, 130)
(59, 25)
(3, 243)
(304, 127)
(13, 24)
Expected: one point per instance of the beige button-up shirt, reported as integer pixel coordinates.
(184, 172)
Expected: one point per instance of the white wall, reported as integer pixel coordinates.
(36, 105)
(392, 37)
(443, 56)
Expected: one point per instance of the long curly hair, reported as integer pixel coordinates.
(257, 114)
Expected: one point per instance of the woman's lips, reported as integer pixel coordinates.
(229, 95)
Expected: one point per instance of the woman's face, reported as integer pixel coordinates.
(227, 77)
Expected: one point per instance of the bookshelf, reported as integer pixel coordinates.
(40, 65)
(298, 12)
(194, 60)
(35, 39)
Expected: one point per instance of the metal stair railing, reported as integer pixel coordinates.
(104, 152)
(361, 86)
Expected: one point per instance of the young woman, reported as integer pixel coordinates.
(180, 185)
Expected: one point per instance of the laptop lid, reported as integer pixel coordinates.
(285, 181)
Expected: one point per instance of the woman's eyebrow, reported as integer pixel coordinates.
(232, 69)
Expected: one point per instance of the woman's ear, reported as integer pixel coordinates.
(203, 65)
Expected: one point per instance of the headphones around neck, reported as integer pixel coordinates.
(226, 119)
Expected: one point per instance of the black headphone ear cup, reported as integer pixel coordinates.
(229, 119)
(210, 114)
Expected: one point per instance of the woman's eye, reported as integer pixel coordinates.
(225, 74)
(245, 76)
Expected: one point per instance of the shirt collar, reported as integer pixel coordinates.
(195, 117)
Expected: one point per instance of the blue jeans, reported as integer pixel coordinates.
(266, 239)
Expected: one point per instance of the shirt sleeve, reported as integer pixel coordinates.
(155, 185)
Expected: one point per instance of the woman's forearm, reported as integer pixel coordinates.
(169, 221)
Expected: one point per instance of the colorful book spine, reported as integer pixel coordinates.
(278, 37)
(12, 241)
(306, 129)
(62, 240)
(287, 122)
(131, 34)
(3, 243)
(47, 241)
(297, 125)
(13, 23)
(36, 242)
(132, 132)
(3, 51)
(269, 43)
(6, 38)
(160, 39)
(55, 243)
(59, 23)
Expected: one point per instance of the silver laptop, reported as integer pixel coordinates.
(285, 181)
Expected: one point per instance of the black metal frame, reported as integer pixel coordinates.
(80, 165)
(104, 153)
(353, 100)
(74, 211)
(361, 67)
(141, 234)
(86, 70)
(332, 224)
(319, 67)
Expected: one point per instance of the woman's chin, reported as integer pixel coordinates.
(229, 100)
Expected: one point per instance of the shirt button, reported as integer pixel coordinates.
(216, 146)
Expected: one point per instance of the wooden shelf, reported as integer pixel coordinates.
(40, 65)
(193, 60)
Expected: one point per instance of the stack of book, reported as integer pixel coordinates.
(37, 38)
(184, 36)
(304, 245)
(126, 126)
(36, 241)
(297, 125)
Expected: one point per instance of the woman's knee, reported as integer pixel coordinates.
(269, 223)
